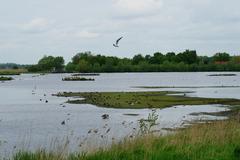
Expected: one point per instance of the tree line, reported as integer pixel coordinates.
(12, 66)
(171, 62)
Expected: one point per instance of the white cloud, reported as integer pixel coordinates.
(36, 25)
(147, 26)
(137, 6)
(87, 34)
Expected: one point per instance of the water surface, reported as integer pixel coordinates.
(28, 122)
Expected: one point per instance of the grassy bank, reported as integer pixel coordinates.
(12, 71)
(218, 140)
(161, 99)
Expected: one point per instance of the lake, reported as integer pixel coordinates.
(28, 122)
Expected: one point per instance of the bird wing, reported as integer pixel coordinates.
(118, 40)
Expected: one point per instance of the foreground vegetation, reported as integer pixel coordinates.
(219, 140)
(160, 99)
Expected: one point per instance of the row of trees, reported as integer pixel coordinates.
(158, 62)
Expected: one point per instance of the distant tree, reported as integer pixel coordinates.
(49, 64)
(204, 59)
(70, 67)
(236, 59)
(158, 58)
(83, 66)
(96, 67)
(147, 58)
(158, 62)
(171, 57)
(221, 57)
(80, 56)
(46, 63)
(188, 57)
(33, 68)
(15, 67)
(58, 64)
(137, 59)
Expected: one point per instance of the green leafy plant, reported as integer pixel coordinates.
(146, 125)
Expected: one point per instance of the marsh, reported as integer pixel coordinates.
(27, 122)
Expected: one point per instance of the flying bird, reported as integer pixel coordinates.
(116, 44)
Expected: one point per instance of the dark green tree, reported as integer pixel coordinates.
(137, 59)
(221, 57)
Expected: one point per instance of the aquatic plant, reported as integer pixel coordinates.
(145, 125)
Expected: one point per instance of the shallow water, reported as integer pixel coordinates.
(26, 122)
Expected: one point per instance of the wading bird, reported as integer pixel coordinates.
(116, 44)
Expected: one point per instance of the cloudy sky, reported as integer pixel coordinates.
(30, 29)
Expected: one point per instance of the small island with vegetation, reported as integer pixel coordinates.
(223, 75)
(139, 100)
(75, 78)
(2, 78)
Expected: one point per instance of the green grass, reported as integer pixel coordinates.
(220, 141)
(12, 71)
(214, 141)
(137, 100)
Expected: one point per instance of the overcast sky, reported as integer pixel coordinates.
(30, 29)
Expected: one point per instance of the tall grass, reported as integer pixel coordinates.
(213, 141)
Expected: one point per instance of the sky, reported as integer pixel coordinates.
(30, 29)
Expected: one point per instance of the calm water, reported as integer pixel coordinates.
(26, 122)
